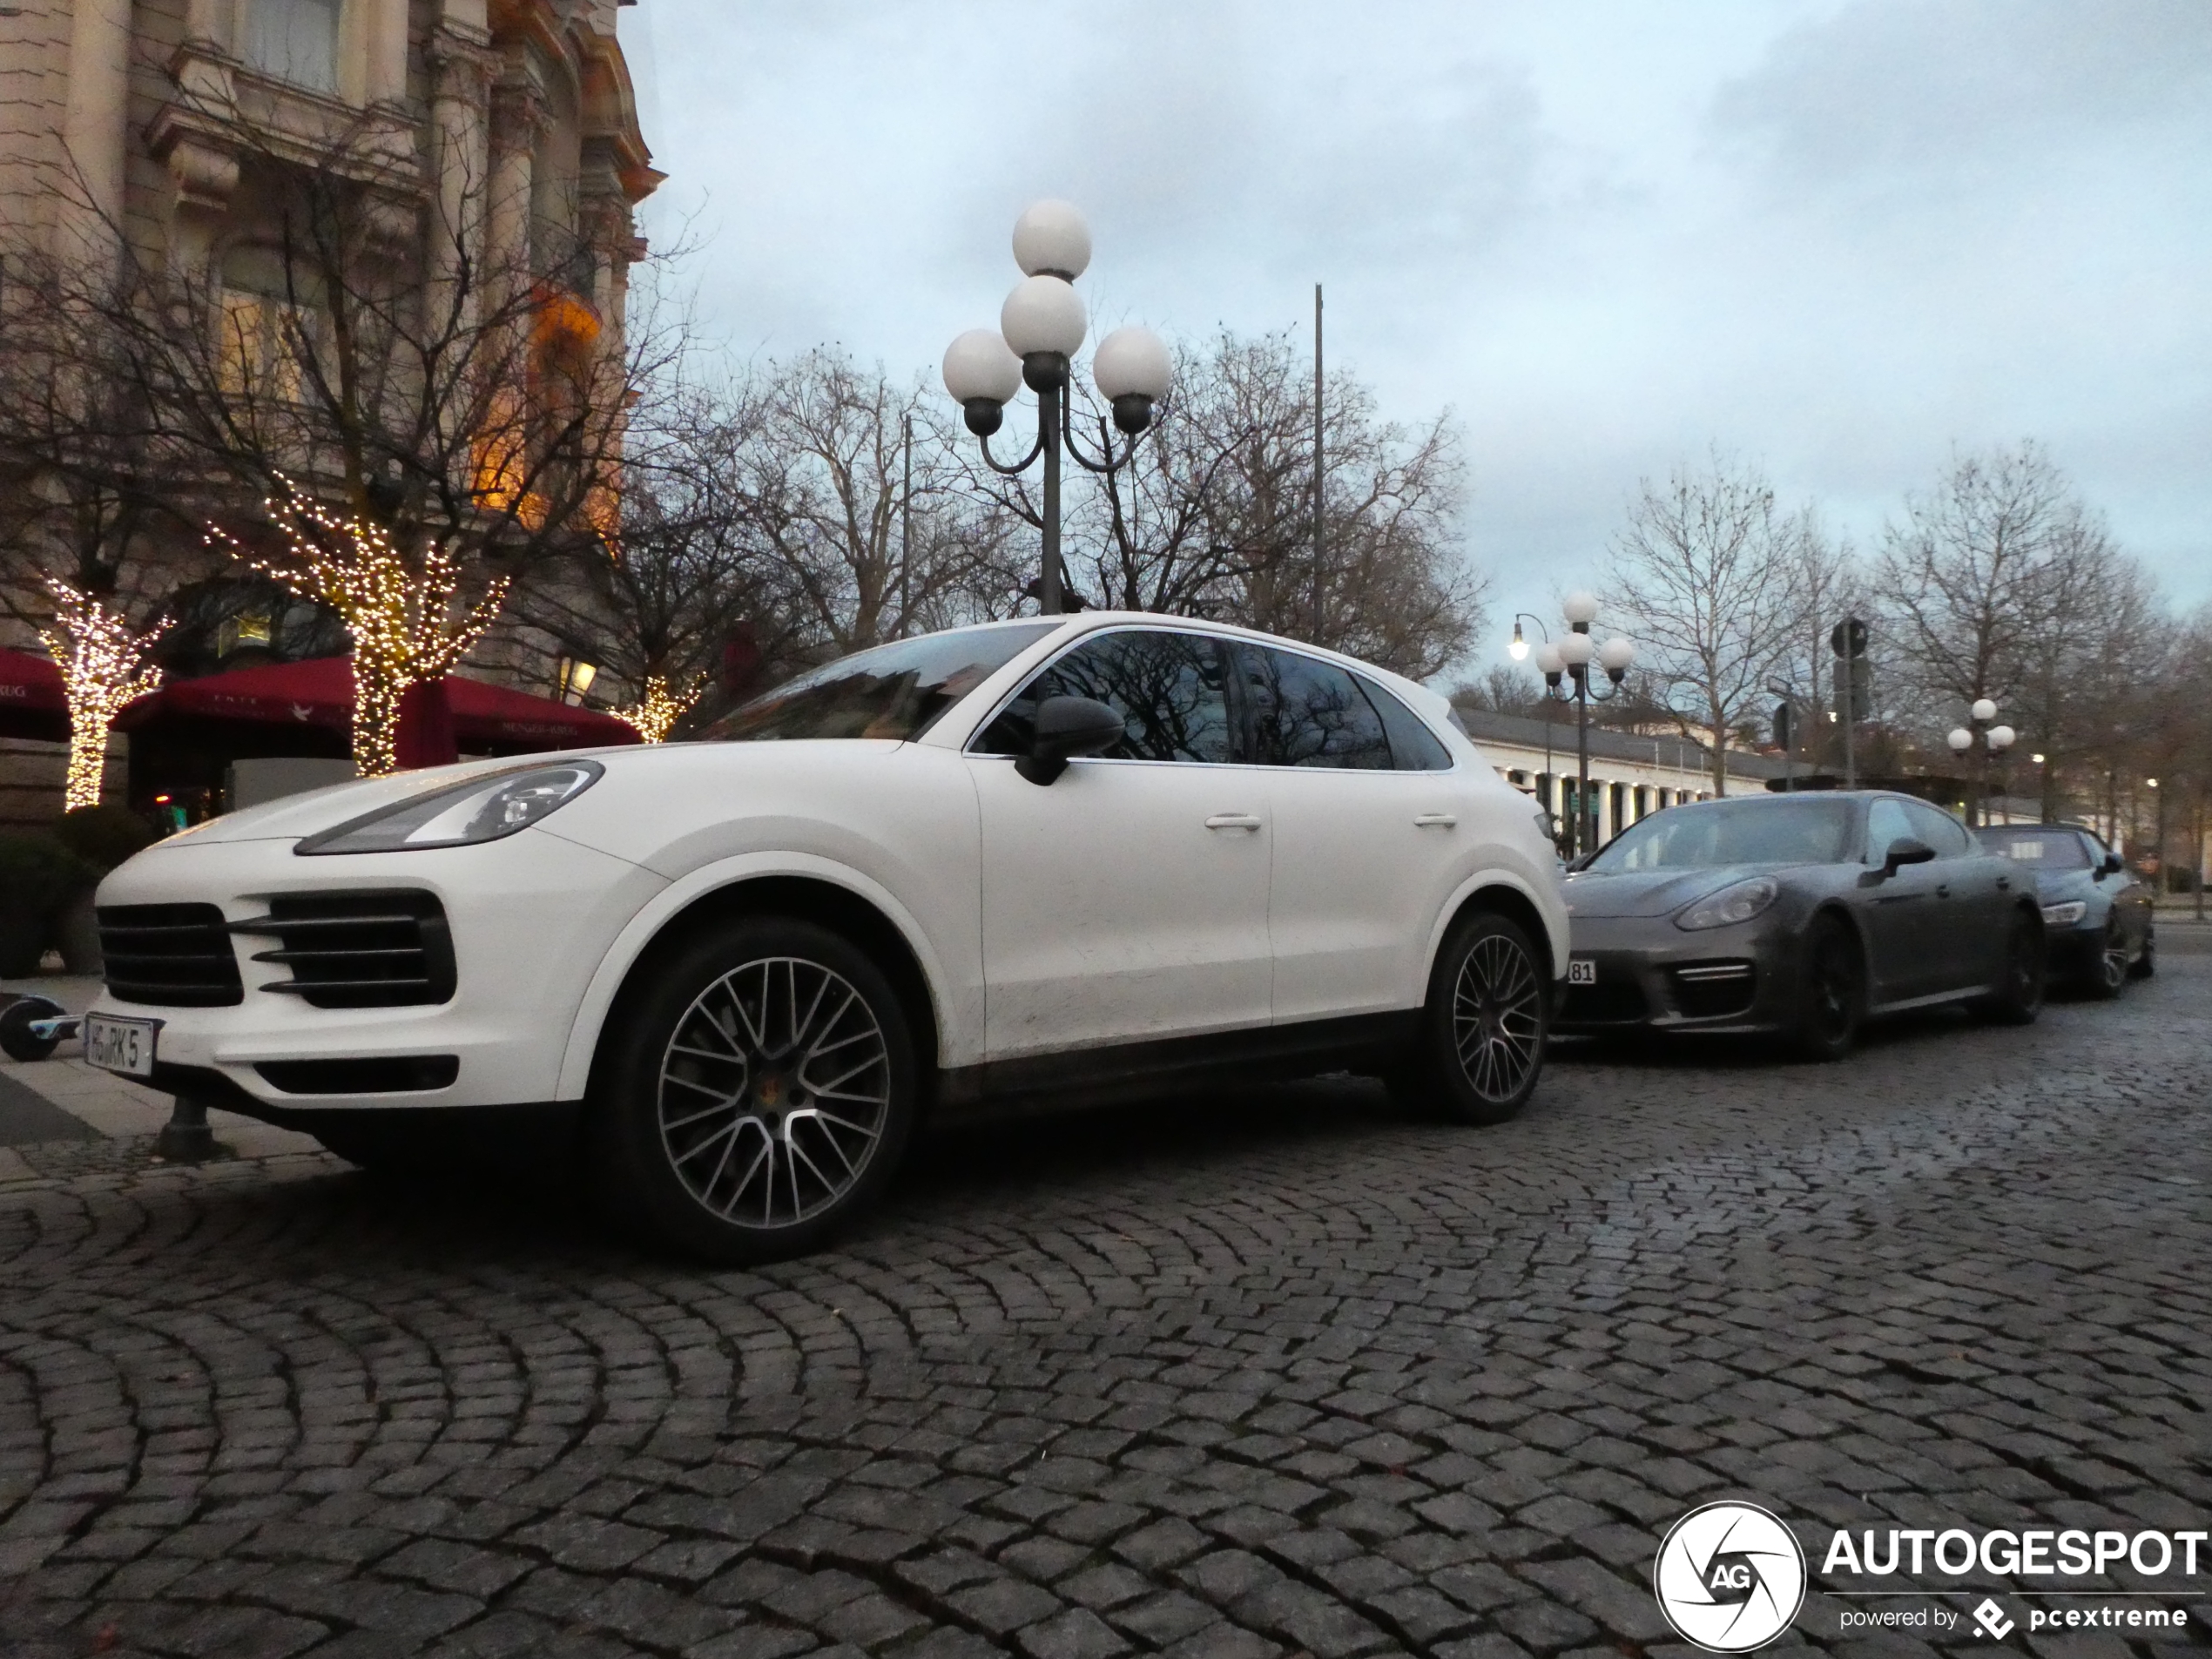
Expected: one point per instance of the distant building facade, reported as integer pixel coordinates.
(141, 127)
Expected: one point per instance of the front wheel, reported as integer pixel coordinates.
(2108, 972)
(2019, 996)
(1483, 1030)
(760, 1095)
(2146, 964)
(1833, 1004)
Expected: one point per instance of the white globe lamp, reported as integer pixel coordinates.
(1132, 371)
(981, 374)
(1051, 240)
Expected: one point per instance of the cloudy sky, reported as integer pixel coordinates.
(1843, 236)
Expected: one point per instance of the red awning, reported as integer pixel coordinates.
(320, 692)
(32, 702)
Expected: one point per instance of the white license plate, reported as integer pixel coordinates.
(120, 1045)
(1582, 970)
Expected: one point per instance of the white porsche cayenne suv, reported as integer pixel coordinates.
(1053, 860)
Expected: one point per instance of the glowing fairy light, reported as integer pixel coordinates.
(401, 614)
(656, 714)
(104, 666)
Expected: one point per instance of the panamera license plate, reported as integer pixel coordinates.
(121, 1045)
(1582, 970)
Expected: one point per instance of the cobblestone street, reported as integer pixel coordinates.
(1286, 1372)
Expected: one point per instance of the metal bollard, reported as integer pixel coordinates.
(186, 1138)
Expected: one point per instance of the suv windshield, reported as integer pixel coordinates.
(2047, 849)
(1714, 834)
(894, 691)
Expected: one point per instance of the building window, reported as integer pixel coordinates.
(295, 41)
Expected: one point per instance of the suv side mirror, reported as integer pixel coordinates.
(1067, 727)
(1904, 851)
(2113, 864)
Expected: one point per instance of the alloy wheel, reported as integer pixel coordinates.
(1497, 1023)
(2112, 962)
(774, 1092)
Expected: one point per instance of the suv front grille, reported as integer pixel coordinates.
(170, 956)
(1618, 1001)
(377, 949)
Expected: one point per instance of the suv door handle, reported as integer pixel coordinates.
(2004, 884)
(1435, 820)
(1942, 890)
(1233, 820)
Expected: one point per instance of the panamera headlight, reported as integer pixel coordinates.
(2065, 915)
(483, 809)
(1730, 905)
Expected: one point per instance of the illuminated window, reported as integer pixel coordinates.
(295, 41)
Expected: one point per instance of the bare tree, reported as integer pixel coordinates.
(1212, 514)
(458, 397)
(1705, 576)
(852, 495)
(1962, 576)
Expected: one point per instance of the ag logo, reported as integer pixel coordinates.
(1729, 1577)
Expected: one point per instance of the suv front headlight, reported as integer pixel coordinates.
(483, 809)
(1730, 905)
(2065, 915)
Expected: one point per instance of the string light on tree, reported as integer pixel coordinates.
(656, 714)
(104, 666)
(401, 616)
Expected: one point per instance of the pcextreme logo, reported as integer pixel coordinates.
(1729, 1577)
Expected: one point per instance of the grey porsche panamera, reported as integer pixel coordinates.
(1798, 915)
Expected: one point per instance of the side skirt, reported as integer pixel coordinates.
(1084, 1077)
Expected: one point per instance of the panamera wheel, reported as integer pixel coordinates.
(1482, 1045)
(763, 1095)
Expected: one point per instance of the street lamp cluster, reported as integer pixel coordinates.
(1986, 739)
(1569, 658)
(1042, 326)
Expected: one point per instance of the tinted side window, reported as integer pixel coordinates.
(1413, 745)
(1311, 713)
(1886, 822)
(1940, 830)
(1171, 690)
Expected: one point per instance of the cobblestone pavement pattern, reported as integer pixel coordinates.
(1284, 1373)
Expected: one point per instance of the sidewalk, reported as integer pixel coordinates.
(59, 1116)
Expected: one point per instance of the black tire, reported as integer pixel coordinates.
(16, 1040)
(2018, 997)
(1832, 1005)
(709, 1124)
(1481, 1048)
(2146, 964)
(2108, 970)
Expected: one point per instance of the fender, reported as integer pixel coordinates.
(956, 1043)
(1546, 904)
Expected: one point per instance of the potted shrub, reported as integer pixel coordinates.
(38, 876)
(101, 837)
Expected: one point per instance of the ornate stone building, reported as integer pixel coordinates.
(161, 129)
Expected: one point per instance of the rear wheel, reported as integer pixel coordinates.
(1833, 1004)
(2019, 996)
(760, 1093)
(1484, 1028)
(2108, 969)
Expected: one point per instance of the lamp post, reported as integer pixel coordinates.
(1986, 739)
(1519, 651)
(1041, 327)
(1570, 656)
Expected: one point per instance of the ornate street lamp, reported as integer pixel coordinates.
(1571, 657)
(1986, 739)
(1041, 327)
